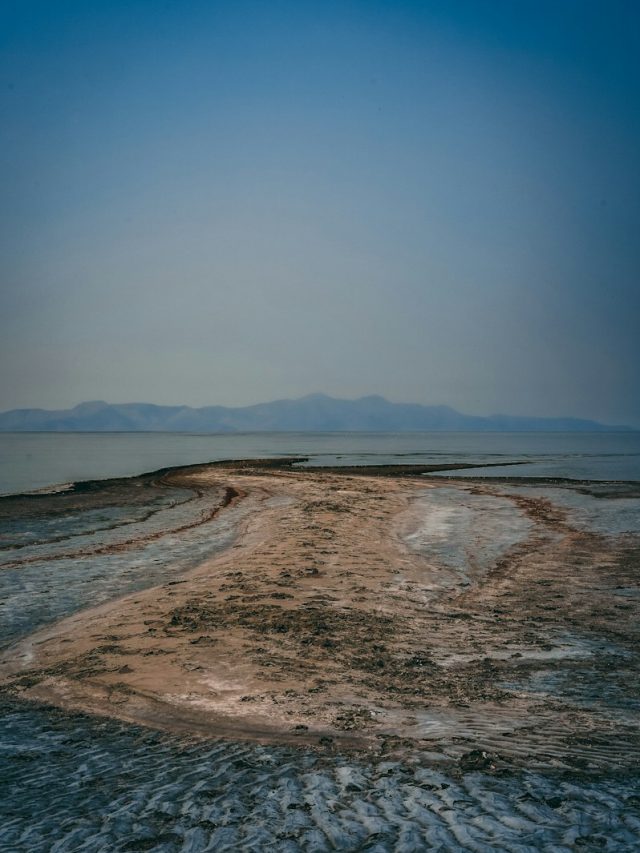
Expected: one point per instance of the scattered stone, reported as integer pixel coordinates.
(477, 760)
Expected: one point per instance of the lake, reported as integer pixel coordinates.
(31, 461)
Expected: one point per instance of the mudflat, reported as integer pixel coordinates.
(338, 617)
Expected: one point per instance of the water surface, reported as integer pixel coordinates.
(37, 460)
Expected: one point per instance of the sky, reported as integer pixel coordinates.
(233, 202)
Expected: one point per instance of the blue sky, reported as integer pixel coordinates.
(233, 202)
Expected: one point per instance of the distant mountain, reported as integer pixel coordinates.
(316, 412)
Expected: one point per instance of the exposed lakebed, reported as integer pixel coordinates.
(503, 782)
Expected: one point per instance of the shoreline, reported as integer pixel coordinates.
(409, 470)
(320, 624)
(267, 463)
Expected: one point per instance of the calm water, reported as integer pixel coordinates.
(37, 460)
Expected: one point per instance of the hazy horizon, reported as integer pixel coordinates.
(313, 396)
(232, 203)
(263, 401)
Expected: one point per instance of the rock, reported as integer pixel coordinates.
(477, 759)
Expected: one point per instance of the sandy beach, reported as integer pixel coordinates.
(330, 620)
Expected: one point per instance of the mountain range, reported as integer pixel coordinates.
(315, 412)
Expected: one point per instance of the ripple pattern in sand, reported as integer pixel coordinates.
(71, 783)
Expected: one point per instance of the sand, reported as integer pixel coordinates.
(330, 622)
